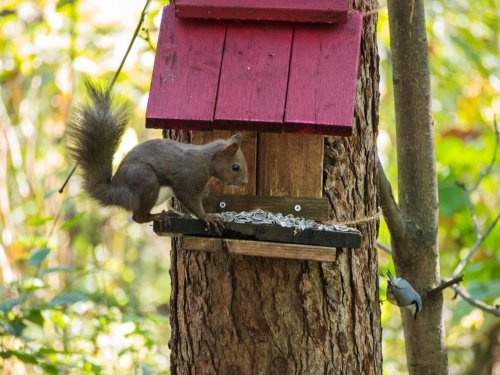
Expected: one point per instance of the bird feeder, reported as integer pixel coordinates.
(282, 71)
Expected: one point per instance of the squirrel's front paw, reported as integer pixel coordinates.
(164, 217)
(215, 222)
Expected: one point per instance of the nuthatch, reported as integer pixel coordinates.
(402, 294)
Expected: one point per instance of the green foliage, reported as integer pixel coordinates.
(68, 332)
(80, 286)
(463, 52)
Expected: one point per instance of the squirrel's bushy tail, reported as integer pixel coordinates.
(95, 130)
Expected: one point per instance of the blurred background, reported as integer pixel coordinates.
(85, 290)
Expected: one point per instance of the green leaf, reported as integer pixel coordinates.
(452, 198)
(26, 357)
(32, 283)
(49, 369)
(73, 222)
(15, 328)
(30, 358)
(62, 3)
(37, 221)
(5, 354)
(35, 316)
(68, 299)
(92, 368)
(9, 304)
(50, 193)
(38, 256)
(46, 271)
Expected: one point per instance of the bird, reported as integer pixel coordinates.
(401, 293)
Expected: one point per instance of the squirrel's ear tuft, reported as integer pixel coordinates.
(236, 138)
(232, 146)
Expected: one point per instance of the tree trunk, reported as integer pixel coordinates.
(413, 225)
(250, 315)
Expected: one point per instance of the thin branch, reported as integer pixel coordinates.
(132, 40)
(384, 248)
(461, 266)
(470, 205)
(446, 284)
(389, 205)
(147, 38)
(495, 310)
(63, 186)
(480, 237)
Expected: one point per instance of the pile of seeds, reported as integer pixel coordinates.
(259, 216)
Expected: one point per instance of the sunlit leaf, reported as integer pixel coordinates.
(37, 221)
(74, 221)
(33, 283)
(46, 271)
(68, 299)
(38, 256)
(9, 304)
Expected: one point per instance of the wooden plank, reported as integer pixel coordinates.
(284, 251)
(249, 148)
(309, 208)
(328, 11)
(252, 88)
(290, 165)
(261, 232)
(209, 245)
(323, 74)
(259, 248)
(186, 73)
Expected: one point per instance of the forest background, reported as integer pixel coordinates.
(85, 290)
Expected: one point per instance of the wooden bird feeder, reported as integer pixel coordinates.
(275, 69)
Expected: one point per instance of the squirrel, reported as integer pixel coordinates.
(154, 170)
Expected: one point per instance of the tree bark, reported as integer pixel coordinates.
(246, 315)
(413, 225)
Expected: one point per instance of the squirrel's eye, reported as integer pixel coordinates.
(235, 167)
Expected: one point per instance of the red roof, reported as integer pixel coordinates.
(327, 11)
(259, 76)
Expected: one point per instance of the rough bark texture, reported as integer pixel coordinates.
(414, 226)
(245, 315)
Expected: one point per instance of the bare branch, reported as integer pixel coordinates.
(389, 206)
(445, 284)
(384, 248)
(495, 310)
(143, 16)
(470, 205)
(481, 237)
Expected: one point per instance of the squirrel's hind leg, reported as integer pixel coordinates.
(141, 179)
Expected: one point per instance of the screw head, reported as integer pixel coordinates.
(222, 204)
(297, 207)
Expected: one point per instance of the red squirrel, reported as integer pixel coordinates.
(154, 170)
